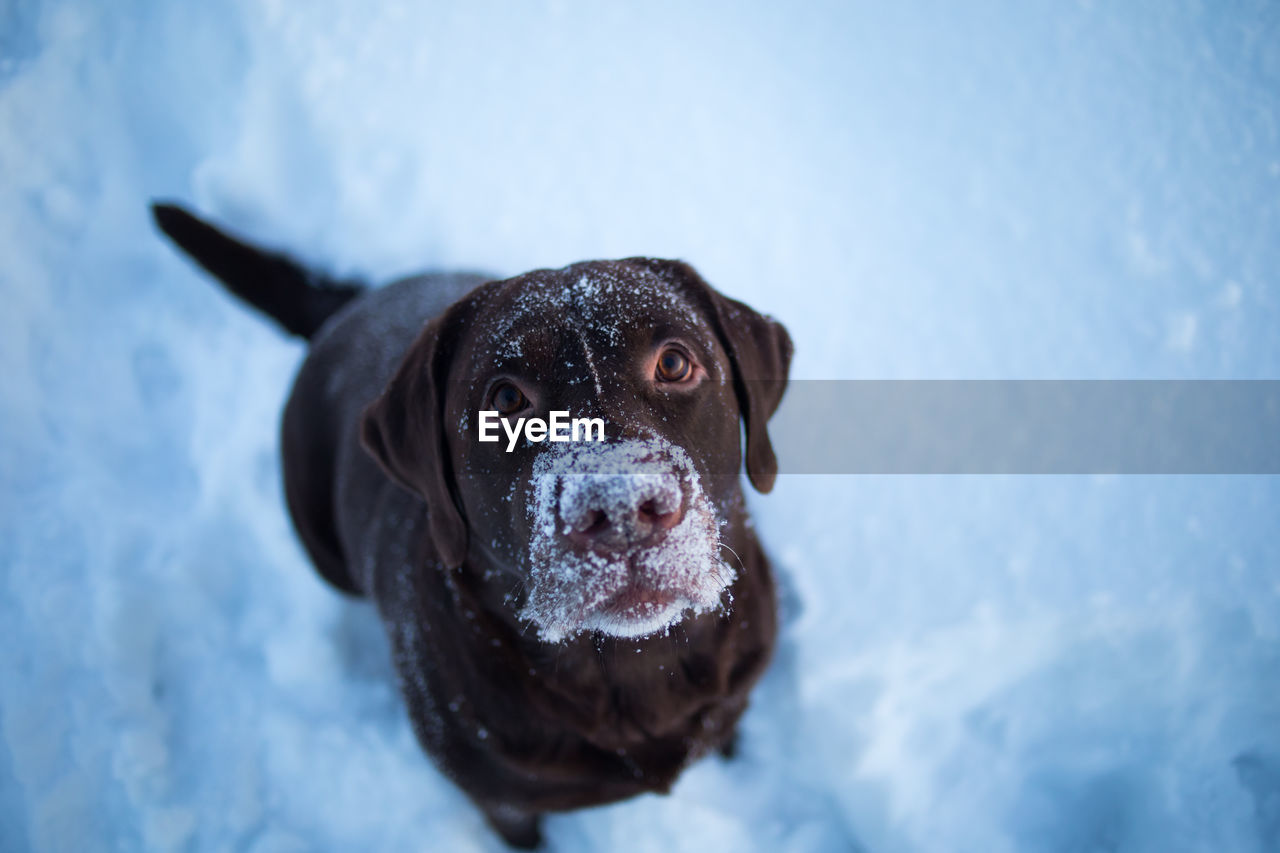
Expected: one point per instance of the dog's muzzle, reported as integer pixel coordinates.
(625, 541)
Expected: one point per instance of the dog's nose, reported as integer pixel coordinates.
(615, 512)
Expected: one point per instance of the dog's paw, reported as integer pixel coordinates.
(729, 749)
(519, 829)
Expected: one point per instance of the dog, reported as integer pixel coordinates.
(572, 623)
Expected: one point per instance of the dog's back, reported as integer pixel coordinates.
(350, 360)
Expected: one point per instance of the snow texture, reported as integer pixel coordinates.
(993, 190)
(568, 588)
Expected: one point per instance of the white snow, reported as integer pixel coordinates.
(966, 663)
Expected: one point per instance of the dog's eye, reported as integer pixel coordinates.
(507, 399)
(673, 366)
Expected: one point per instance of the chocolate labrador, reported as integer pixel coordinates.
(573, 622)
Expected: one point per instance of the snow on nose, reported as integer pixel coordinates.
(613, 512)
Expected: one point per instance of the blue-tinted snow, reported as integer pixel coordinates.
(1075, 190)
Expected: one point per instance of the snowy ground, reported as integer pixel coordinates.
(970, 663)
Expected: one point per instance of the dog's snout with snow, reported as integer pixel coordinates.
(625, 540)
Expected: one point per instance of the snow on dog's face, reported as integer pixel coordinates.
(624, 542)
(620, 536)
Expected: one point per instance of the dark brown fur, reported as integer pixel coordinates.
(394, 500)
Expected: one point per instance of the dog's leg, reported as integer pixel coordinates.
(520, 829)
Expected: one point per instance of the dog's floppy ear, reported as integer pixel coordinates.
(760, 350)
(404, 431)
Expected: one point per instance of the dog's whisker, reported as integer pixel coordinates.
(736, 556)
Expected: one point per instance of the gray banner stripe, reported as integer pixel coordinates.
(1029, 427)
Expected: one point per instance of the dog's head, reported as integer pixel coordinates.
(620, 535)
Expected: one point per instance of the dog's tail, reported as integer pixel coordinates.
(297, 298)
